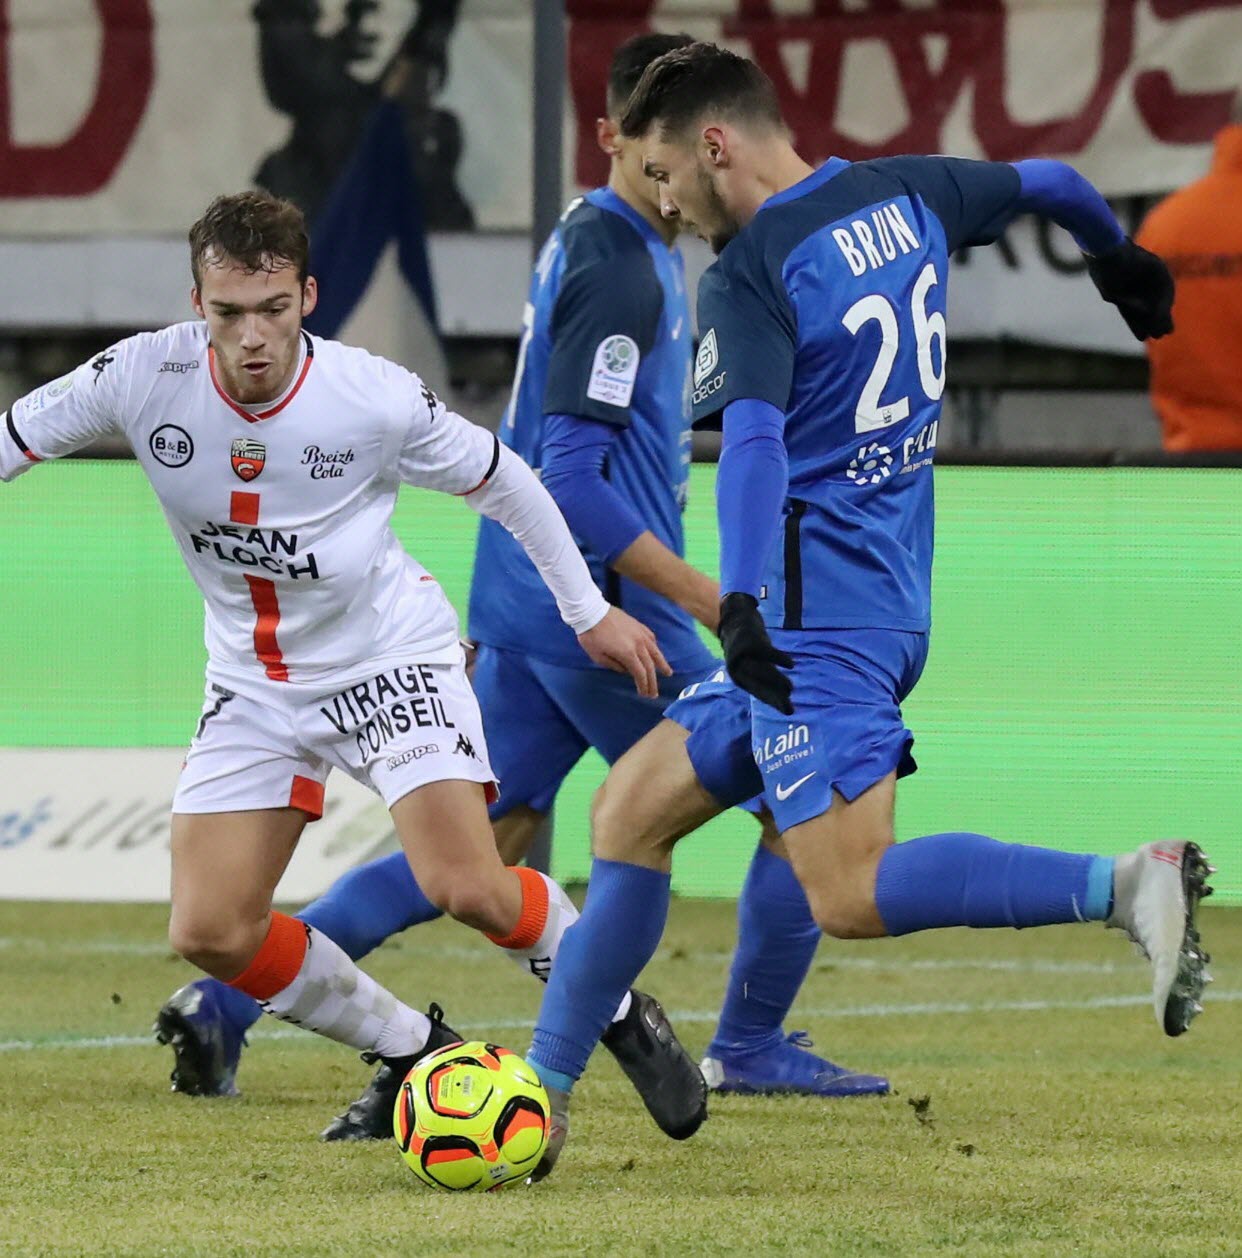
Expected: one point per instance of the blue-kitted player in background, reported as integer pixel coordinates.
(823, 345)
(600, 405)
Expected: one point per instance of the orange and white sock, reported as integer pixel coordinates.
(299, 975)
(547, 913)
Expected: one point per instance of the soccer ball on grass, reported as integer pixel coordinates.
(471, 1117)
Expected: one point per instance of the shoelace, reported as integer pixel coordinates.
(800, 1039)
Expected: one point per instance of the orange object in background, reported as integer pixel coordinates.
(1196, 372)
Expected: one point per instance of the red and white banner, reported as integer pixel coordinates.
(123, 117)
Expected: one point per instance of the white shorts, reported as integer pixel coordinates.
(399, 730)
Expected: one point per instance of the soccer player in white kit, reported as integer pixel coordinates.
(277, 457)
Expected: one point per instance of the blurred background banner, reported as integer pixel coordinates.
(119, 119)
(100, 103)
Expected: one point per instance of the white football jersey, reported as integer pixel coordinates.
(282, 512)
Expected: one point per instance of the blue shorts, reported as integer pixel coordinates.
(540, 718)
(717, 715)
(846, 732)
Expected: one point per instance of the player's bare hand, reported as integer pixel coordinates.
(623, 644)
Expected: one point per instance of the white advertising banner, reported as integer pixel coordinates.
(92, 823)
(124, 116)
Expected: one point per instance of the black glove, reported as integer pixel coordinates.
(1139, 284)
(749, 654)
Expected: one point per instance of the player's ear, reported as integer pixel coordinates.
(310, 295)
(196, 301)
(716, 146)
(606, 132)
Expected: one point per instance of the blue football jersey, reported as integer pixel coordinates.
(830, 304)
(607, 337)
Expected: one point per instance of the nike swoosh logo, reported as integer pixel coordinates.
(784, 792)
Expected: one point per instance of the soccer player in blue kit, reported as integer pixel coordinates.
(823, 347)
(600, 404)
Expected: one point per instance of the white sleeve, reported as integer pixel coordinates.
(441, 450)
(64, 415)
(513, 496)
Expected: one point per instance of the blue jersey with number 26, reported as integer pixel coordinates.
(830, 305)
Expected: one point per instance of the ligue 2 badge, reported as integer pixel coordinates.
(248, 457)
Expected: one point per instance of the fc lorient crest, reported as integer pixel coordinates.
(248, 457)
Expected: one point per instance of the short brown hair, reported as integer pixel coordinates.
(683, 85)
(256, 230)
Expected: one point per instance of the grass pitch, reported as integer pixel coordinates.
(1038, 1110)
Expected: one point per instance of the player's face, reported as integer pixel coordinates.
(626, 156)
(254, 318)
(688, 184)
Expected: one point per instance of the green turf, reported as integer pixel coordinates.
(1068, 1126)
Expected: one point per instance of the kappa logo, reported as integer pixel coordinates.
(614, 370)
(248, 457)
(178, 369)
(100, 363)
(430, 398)
(414, 753)
(465, 747)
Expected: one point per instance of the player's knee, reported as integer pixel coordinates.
(222, 949)
(841, 919)
(845, 909)
(471, 902)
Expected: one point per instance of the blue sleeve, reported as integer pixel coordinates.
(751, 483)
(1057, 191)
(575, 452)
(974, 201)
(604, 320)
(748, 339)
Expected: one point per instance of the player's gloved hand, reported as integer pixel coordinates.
(626, 645)
(1139, 284)
(750, 657)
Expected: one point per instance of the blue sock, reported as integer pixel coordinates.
(362, 908)
(370, 903)
(241, 1010)
(970, 880)
(600, 956)
(776, 941)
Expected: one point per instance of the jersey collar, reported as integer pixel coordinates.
(254, 416)
(833, 166)
(606, 199)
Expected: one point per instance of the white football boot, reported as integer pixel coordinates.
(1156, 892)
